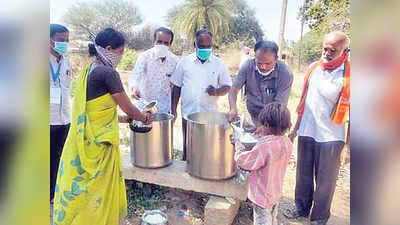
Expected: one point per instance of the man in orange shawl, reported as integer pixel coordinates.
(322, 113)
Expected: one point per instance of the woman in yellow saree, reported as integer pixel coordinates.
(90, 188)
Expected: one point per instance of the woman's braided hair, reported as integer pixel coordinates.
(276, 116)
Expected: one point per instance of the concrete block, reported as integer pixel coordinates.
(220, 211)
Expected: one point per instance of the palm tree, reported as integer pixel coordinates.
(194, 15)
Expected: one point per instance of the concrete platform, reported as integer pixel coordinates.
(175, 176)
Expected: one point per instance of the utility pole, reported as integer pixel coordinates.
(302, 18)
(301, 37)
(282, 27)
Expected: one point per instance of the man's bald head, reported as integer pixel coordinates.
(335, 43)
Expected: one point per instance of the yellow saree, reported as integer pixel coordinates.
(90, 188)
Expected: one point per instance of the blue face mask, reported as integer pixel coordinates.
(203, 53)
(60, 47)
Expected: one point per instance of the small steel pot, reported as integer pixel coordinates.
(154, 148)
(154, 217)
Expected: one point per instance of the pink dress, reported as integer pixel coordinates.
(267, 162)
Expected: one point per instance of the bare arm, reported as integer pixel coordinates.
(127, 106)
(232, 103)
(348, 134)
(223, 90)
(293, 134)
(233, 93)
(176, 94)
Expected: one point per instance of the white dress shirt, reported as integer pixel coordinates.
(194, 77)
(151, 77)
(60, 114)
(324, 89)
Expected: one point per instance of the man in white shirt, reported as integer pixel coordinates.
(60, 108)
(323, 111)
(245, 56)
(153, 69)
(200, 78)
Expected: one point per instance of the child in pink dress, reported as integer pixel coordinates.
(267, 162)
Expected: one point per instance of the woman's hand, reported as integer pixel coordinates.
(147, 118)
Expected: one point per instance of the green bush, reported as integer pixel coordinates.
(128, 59)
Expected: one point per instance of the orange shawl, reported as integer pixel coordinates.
(341, 110)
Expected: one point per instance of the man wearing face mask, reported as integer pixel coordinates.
(322, 113)
(153, 69)
(200, 78)
(60, 108)
(265, 78)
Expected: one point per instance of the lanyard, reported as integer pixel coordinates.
(56, 74)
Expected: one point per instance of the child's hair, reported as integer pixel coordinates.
(276, 116)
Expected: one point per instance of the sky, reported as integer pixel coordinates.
(154, 11)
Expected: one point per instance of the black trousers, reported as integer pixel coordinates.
(184, 128)
(319, 161)
(58, 135)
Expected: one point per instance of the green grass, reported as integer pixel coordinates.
(138, 203)
(177, 155)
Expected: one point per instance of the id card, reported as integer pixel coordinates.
(55, 95)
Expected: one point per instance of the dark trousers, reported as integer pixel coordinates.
(184, 128)
(319, 161)
(58, 135)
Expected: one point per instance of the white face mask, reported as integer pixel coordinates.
(265, 73)
(161, 51)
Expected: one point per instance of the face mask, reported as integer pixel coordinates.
(114, 58)
(264, 73)
(335, 63)
(203, 53)
(60, 47)
(161, 50)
